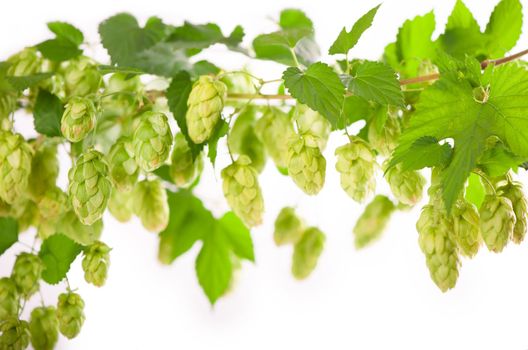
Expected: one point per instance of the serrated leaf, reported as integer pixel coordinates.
(8, 233)
(59, 49)
(475, 191)
(319, 87)
(47, 114)
(201, 36)
(504, 27)
(221, 130)
(375, 81)
(277, 46)
(67, 31)
(355, 108)
(165, 59)
(57, 254)
(27, 81)
(424, 152)
(347, 40)
(294, 18)
(498, 160)
(238, 236)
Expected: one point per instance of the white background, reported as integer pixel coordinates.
(378, 298)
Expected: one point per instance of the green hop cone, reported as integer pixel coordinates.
(78, 119)
(8, 299)
(15, 166)
(44, 328)
(152, 140)
(497, 221)
(385, 139)
(150, 204)
(81, 77)
(8, 104)
(123, 168)
(23, 63)
(205, 104)
(243, 140)
(514, 192)
(288, 227)
(70, 225)
(434, 229)
(373, 221)
(466, 227)
(44, 170)
(306, 252)
(242, 191)
(70, 313)
(184, 169)
(356, 162)
(275, 129)
(53, 203)
(122, 95)
(306, 166)
(26, 273)
(312, 126)
(96, 263)
(120, 205)
(14, 334)
(406, 185)
(89, 187)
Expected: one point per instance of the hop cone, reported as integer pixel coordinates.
(15, 166)
(385, 140)
(124, 170)
(274, 129)
(25, 62)
(306, 252)
(8, 104)
(205, 103)
(74, 229)
(122, 104)
(312, 126)
(514, 192)
(26, 213)
(243, 140)
(150, 205)
(44, 328)
(15, 334)
(8, 299)
(373, 221)
(152, 140)
(466, 228)
(81, 77)
(78, 119)
(70, 312)
(120, 205)
(407, 186)
(288, 227)
(497, 221)
(89, 186)
(44, 170)
(306, 166)
(184, 169)
(53, 203)
(26, 273)
(434, 229)
(96, 263)
(242, 191)
(356, 163)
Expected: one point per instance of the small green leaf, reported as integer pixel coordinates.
(57, 254)
(293, 18)
(475, 191)
(201, 36)
(59, 49)
(355, 108)
(67, 31)
(24, 82)
(238, 236)
(47, 114)
(221, 130)
(424, 152)
(277, 46)
(375, 81)
(498, 160)
(8, 233)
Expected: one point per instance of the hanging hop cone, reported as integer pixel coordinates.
(44, 170)
(81, 77)
(150, 205)
(123, 168)
(205, 104)
(466, 228)
(275, 129)
(434, 229)
(356, 162)
(70, 313)
(8, 104)
(8, 299)
(306, 252)
(25, 62)
(514, 192)
(53, 203)
(385, 139)
(44, 328)
(288, 227)
(89, 187)
(373, 221)
(96, 263)
(312, 126)
(184, 169)
(121, 104)
(120, 205)
(15, 166)
(242, 191)
(74, 229)
(26, 273)
(242, 139)
(152, 140)
(406, 185)
(306, 166)
(14, 334)
(78, 119)
(497, 221)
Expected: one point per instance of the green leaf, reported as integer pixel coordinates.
(424, 152)
(355, 108)
(221, 130)
(165, 59)
(67, 31)
(47, 114)
(347, 40)
(8, 233)
(59, 49)
(475, 191)
(107, 69)
(27, 81)
(319, 87)
(504, 27)
(57, 254)
(204, 68)
(377, 82)
(238, 236)
(293, 18)
(201, 36)
(498, 160)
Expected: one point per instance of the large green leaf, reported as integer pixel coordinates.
(47, 114)
(27, 81)
(504, 27)
(278, 46)
(375, 81)
(237, 235)
(8, 233)
(57, 254)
